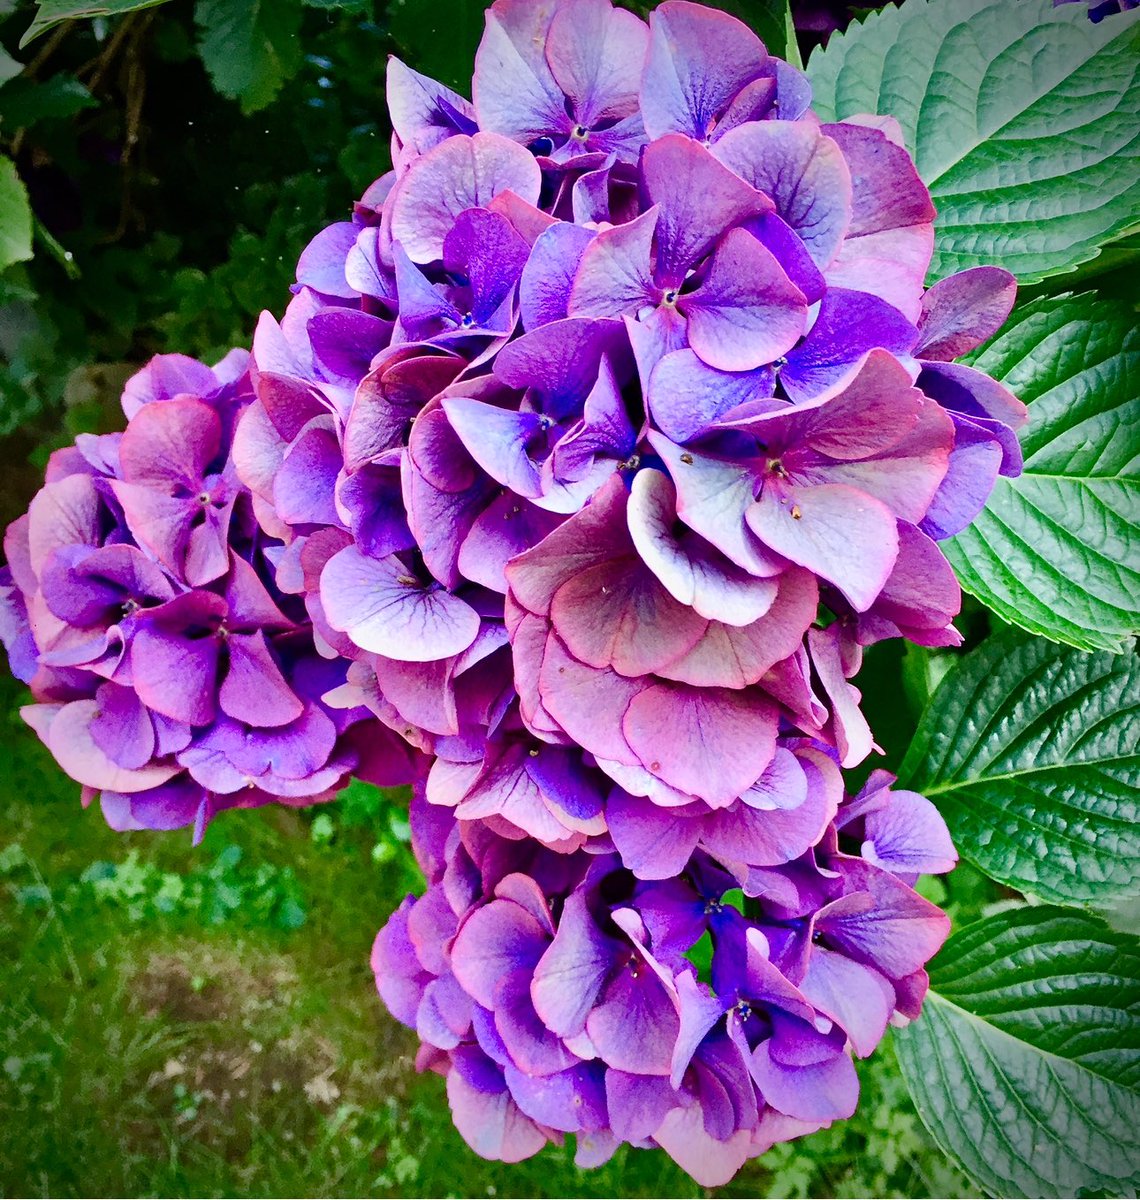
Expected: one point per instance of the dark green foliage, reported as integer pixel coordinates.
(169, 216)
(1054, 550)
(1026, 1063)
(1032, 753)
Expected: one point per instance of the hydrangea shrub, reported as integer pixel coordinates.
(587, 459)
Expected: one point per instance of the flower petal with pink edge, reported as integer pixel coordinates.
(573, 969)
(174, 656)
(171, 444)
(460, 173)
(596, 533)
(713, 495)
(257, 450)
(595, 53)
(921, 597)
(847, 725)
(64, 513)
(403, 381)
(847, 326)
(423, 112)
(515, 93)
(560, 363)
(698, 198)
(699, 60)
(691, 570)
(685, 395)
(712, 1163)
(826, 1090)
(884, 922)
(614, 275)
(710, 742)
(804, 173)
(856, 997)
(890, 240)
(544, 290)
(305, 486)
(910, 836)
(164, 377)
(962, 310)
(492, 943)
(635, 1022)
(254, 690)
(616, 614)
(767, 838)
(321, 265)
(738, 656)
(572, 1101)
(845, 536)
(123, 728)
(588, 704)
(746, 312)
(387, 611)
(505, 528)
(67, 734)
(488, 1119)
(654, 842)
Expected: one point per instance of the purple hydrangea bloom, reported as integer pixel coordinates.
(170, 674)
(592, 449)
(602, 391)
(711, 1013)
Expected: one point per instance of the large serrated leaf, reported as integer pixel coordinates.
(1055, 550)
(1025, 1063)
(1024, 120)
(51, 12)
(250, 47)
(1032, 753)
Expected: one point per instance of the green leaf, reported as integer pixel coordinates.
(9, 67)
(1024, 120)
(1032, 753)
(1054, 550)
(52, 12)
(26, 101)
(250, 47)
(15, 217)
(1025, 1063)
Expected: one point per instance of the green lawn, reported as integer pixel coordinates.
(202, 1021)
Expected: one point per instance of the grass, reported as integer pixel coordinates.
(202, 1021)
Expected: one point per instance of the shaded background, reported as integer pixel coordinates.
(180, 1020)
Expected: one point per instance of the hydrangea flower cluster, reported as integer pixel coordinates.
(170, 676)
(560, 993)
(586, 460)
(621, 373)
